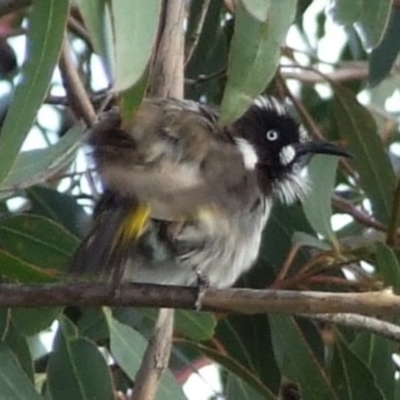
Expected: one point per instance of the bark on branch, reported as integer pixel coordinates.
(246, 301)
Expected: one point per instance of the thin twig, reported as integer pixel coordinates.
(348, 207)
(78, 99)
(392, 232)
(205, 78)
(194, 38)
(344, 74)
(286, 265)
(156, 357)
(77, 28)
(360, 322)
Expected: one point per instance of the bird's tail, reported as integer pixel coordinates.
(117, 225)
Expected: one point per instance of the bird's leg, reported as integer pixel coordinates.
(202, 283)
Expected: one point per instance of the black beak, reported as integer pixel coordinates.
(320, 147)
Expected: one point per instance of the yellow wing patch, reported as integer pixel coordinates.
(133, 225)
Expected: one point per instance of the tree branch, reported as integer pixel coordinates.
(360, 322)
(246, 301)
(348, 207)
(167, 73)
(344, 74)
(78, 99)
(167, 77)
(195, 36)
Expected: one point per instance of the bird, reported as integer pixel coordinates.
(185, 198)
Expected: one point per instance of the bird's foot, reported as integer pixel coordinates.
(202, 284)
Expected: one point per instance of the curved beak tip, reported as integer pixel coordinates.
(322, 147)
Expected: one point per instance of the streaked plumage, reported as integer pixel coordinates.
(186, 197)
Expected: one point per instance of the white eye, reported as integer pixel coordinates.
(272, 135)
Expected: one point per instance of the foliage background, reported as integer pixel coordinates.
(234, 51)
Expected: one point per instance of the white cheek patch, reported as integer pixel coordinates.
(250, 158)
(287, 155)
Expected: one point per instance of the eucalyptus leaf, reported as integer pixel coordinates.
(195, 325)
(369, 18)
(317, 205)
(296, 360)
(385, 53)
(34, 166)
(135, 25)
(257, 8)
(94, 14)
(388, 266)
(127, 348)
(45, 35)
(351, 376)
(357, 126)
(85, 374)
(14, 383)
(254, 56)
(377, 353)
(38, 241)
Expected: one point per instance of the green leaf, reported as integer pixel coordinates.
(384, 55)
(235, 367)
(351, 377)
(61, 208)
(195, 325)
(277, 238)
(358, 127)
(22, 271)
(37, 240)
(239, 389)
(345, 12)
(5, 318)
(135, 26)
(258, 9)
(254, 56)
(388, 266)
(29, 321)
(14, 383)
(45, 34)
(33, 166)
(370, 18)
(297, 361)
(93, 14)
(92, 324)
(211, 52)
(19, 345)
(127, 347)
(241, 337)
(305, 239)
(85, 374)
(377, 353)
(373, 22)
(130, 99)
(317, 205)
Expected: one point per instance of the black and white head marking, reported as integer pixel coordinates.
(249, 153)
(268, 140)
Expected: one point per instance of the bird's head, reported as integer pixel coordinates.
(278, 148)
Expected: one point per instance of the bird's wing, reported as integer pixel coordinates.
(124, 235)
(173, 156)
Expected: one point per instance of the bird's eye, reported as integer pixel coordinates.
(272, 135)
